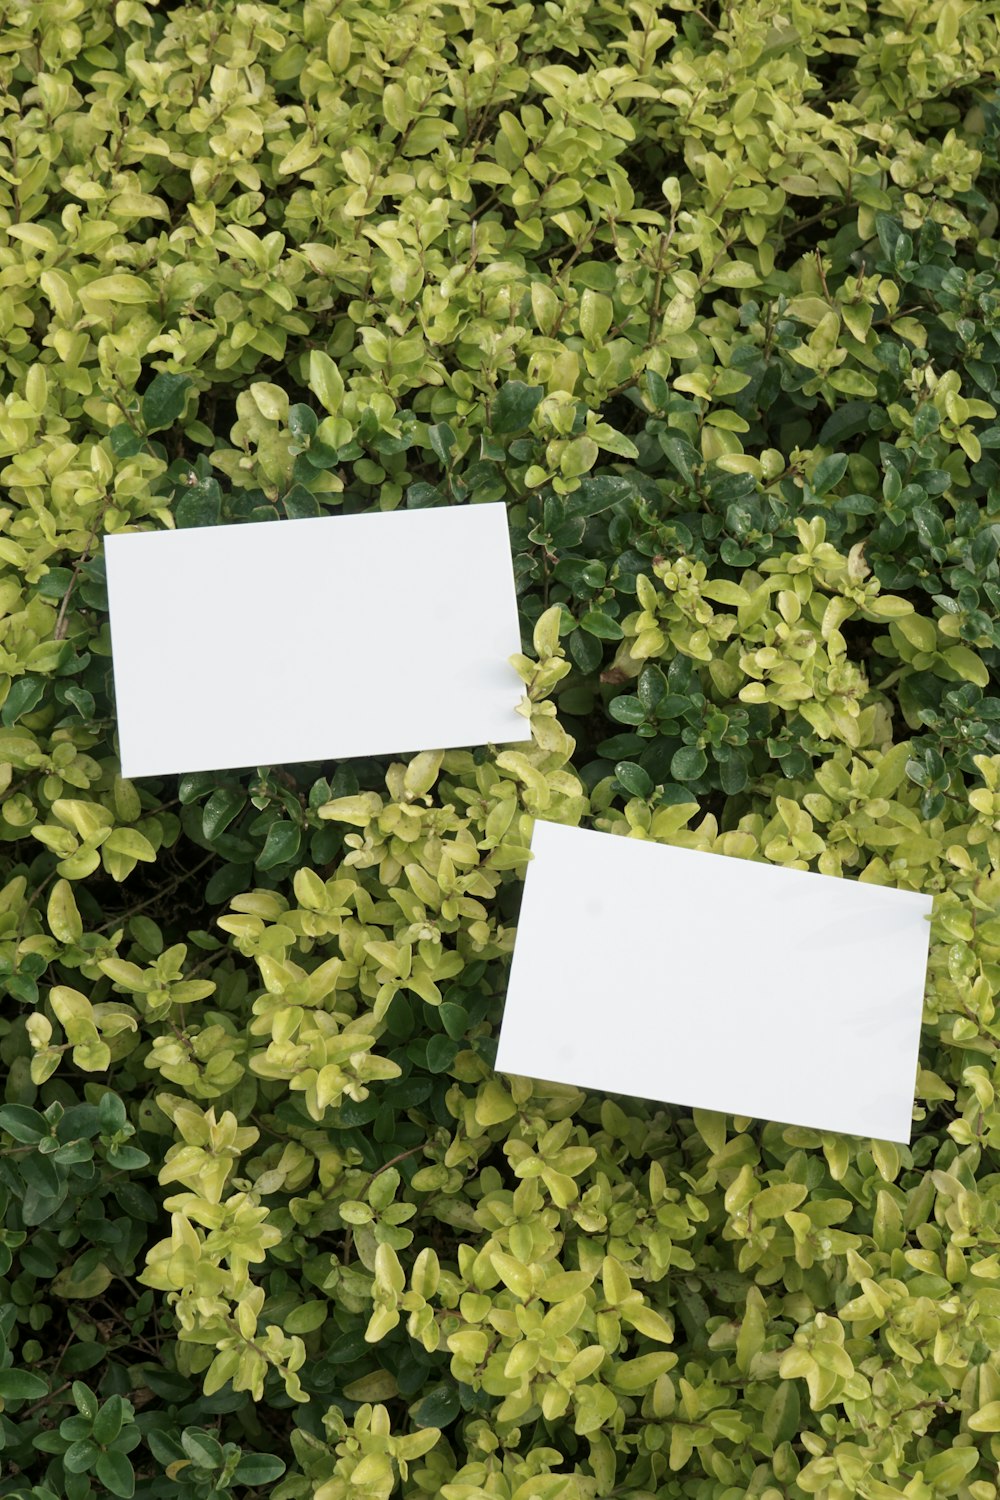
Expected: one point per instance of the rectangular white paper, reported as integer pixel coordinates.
(716, 983)
(318, 639)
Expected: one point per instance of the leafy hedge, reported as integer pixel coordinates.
(709, 296)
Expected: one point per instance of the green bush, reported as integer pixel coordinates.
(709, 297)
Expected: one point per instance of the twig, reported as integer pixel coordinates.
(84, 558)
(37, 1406)
(166, 890)
(392, 1162)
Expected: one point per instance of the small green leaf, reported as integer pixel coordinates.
(125, 441)
(21, 1385)
(301, 504)
(987, 1418)
(81, 1456)
(220, 810)
(514, 406)
(281, 845)
(438, 1407)
(734, 773)
(651, 690)
(845, 422)
(681, 454)
(108, 1422)
(627, 709)
(302, 422)
(442, 441)
(736, 273)
(114, 1470)
(164, 400)
(596, 622)
(202, 1448)
(596, 316)
(25, 694)
(599, 493)
(853, 383)
(325, 381)
(688, 763)
(585, 650)
(86, 1401)
(633, 779)
(829, 472)
(454, 1018)
(258, 1468)
(200, 504)
(967, 664)
(23, 1123)
(441, 1053)
(780, 1421)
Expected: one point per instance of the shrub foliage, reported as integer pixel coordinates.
(709, 296)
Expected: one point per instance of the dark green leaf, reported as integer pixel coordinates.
(200, 504)
(633, 779)
(780, 1422)
(226, 882)
(108, 1422)
(513, 407)
(734, 774)
(689, 763)
(79, 1121)
(321, 455)
(24, 1124)
(437, 1408)
(172, 1387)
(21, 1385)
(889, 233)
(37, 1207)
(86, 1402)
(585, 651)
(25, 694)
(77, 697)
(627, 709)
(829, 472)
(927, 419)
(598, 493)
(114, 1470)
(281, 845)
(442, 441)
(125, 441)
(81, 1357)
(111, 1113)
(41, 1174)
(441, 1053)
(164, 400)
(302, 422)
(845, 422)
(81, 1456)
(258, 1468)
(220, 810)
(681, 454)
(301, 504)
(930, 527)
(659, 391)
(454, 1018)
(651, 688)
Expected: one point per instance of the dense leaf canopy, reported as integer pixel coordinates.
(708, 295)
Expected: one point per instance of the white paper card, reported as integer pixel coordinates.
(317, 639)
(716, 983)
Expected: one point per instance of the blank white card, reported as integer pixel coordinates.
(316, 639)
(716, 983)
